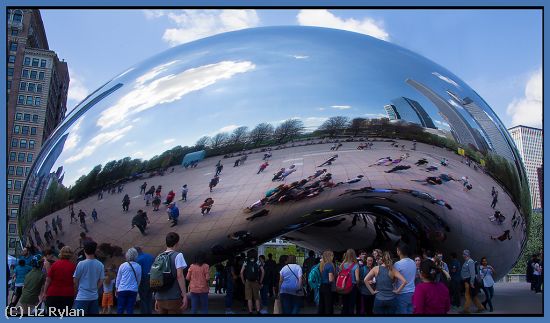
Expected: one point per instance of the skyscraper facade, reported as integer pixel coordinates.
(529, 143)
(37, 86)
(411, 111)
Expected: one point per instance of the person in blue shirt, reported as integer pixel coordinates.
(174, 213)
(326, 267)
(20, 272)
(145, 260)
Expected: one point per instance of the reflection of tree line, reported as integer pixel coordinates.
(266, 135)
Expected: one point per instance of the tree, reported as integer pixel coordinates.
(334, 125)
(288, 130)
(533, 245)
(261, 133)
(219, 140)
(239, 135)
(357, 125)
(203, 142)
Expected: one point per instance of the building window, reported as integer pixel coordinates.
(11, 59)
(35, 118)
(25, 130)
(13, 213)
(13, 241)
(31, 144)
(17, 184)
(9, 198)
(41, 76)
(42, 63)
(35, 62)
(12, 229)
(29, 157)
(29, 100)
(13, 46)
(31, 87)
(21, 99)
(27, 117)
(37, 100)
(13, 156)
(27, 170)
(16, 128)
(33, 75)
(9, 183)
(22, 86)
(15, 199)
(11, 170)
(33, 130)
(18, 116)
(27, 61)
(14, 142)
(22, 143)
(19, 171)
(21, 157)
(10, 71)
(25, 73)
(39, 88)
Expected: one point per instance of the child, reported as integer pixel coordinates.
(108, 290)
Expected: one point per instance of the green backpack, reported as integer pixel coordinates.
(314, 277)
(161, 277)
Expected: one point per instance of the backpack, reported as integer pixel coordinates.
(161, 277)
(252, 271)
(344, 281)
(314, 277)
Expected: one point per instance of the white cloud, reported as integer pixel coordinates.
(73, 138)
(341, 107)
(324, 18)
(313, 122)
(168, 141)
(130, 143)
(168, 89)
(98, 141)
(77, 89)
(300, 56)
(228, 128)
(527, 110)
(446, 79)
(196, 24)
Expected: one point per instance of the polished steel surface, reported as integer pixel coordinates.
(314, 88)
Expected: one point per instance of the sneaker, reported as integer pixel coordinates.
(264, 311)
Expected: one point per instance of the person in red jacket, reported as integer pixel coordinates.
(170, 197)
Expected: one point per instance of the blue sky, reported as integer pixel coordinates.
(497, 52)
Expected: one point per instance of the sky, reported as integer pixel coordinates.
(497, 52)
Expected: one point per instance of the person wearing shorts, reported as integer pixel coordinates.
(107, 299)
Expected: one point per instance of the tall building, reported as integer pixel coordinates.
(529, 143)
(540, 177)
(37, 85)
(411, 111)
(392, 113)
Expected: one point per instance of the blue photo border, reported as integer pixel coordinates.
(386, 4)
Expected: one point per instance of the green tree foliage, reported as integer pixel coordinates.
(533, 245)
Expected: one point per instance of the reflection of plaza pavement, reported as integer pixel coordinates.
(241, 186)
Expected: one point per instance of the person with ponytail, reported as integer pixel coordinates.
(430, 297)
(386, 275)
(326, 267)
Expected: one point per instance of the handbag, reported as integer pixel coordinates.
(277, 306)
(301, 290)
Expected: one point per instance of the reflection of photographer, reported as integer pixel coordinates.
(442, 274)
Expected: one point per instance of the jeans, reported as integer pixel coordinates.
(89, 307)
(325, 300)
(199, 300)
(263, 295)
(365, 305)
(404, 303)
(384, 307)
(126, 300)
(290, 303)
(229, 293)
(145, 297)
(489, 292)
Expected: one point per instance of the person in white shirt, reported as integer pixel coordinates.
(290, 287)
(127, 283)
(487, 272)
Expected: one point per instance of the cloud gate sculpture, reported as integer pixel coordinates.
(327, 138)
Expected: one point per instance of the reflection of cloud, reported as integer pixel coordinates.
(77, 90)
(98, 141)
(341, 107)
(73, 138)
(170, 88)
(313, 122)
(129, 143)
(168, 141)
(196, 24)
(446, 79)
(528, 110)
(228, 128)
(375, 115)
(443, 124)
(324, 18)
(300, 56)
(138, 154)
(153, 73)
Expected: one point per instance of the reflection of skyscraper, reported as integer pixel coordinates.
(460, 128)
(392, 113)
(529, 143)
(411, 111)
(488, 126)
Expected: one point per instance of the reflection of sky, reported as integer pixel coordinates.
(242, 79)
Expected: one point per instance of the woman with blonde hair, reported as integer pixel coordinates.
(59, 289)
(326, 267)
(386, 275)
(350, 265)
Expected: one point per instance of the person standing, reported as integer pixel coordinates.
(270, 274)
(142, 188)
(263, 289)
(173, 300)
(456, 280)
(219, 168)
(125, 203)
(366, 298)
(430, 297)
(529, 270)
(174, 213)
(309, 263)
(145, 260)
(537, 276)
(34, 285)
(350, 264)
(495, 200)
(94, 215)
(127, 283)
(213, 182)
(59, 289)
(486, 273)
(230, 279)
(73, 217)
(88, 276)
(54, 226)
(252, 276)
(184, 191)
(326, 267)
(107, 298)
(198, 276)
(20, 272)
(468, 275)
(82, 217)
(290, 287)
(407, 268)
(386, 275)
